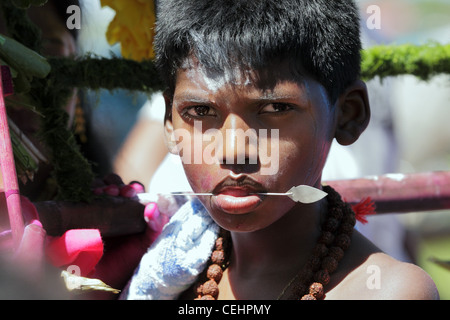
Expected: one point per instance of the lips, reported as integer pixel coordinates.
(237, 196)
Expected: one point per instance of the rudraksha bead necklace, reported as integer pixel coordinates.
(309, 283)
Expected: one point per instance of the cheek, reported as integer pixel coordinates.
(302, 160)
(201, 177)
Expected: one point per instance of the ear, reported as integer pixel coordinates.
(353, 113)
(168, 125)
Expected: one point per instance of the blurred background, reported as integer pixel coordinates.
(408, 133)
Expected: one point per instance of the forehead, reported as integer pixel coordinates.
(193, 75)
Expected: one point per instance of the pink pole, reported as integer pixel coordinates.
(399, 193)
(10, 182)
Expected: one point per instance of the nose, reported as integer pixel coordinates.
(240, 145)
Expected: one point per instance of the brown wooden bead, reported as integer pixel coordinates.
(326, 238)
(329, 250)
(331, 225)
(349, 218)
(218, 257)
(346, 228)
(316, 290)
(336, 213)
(199, 289)
(308, 297)
(314, 263)
(219, 243)
(336, 252)
(330, 264)
(320, 250)
(343, 241)
(210, 288)
(322, 276)
(214, 272)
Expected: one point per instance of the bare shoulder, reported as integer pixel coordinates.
(399, 280)
(371, 274)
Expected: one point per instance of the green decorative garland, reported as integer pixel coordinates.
(73, 173)
(423, 61)
(102, 73)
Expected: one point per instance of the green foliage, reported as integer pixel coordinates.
(101, 73)
(423, 61)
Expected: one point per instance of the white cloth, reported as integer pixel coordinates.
(177, 257)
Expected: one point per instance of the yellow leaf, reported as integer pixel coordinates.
(132, 27)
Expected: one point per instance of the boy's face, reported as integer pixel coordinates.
(240, 135)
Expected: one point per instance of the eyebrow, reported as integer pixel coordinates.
(187, 96)
(266, 96)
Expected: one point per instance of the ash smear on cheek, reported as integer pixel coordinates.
(206, 183)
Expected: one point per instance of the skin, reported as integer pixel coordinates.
(274, 228)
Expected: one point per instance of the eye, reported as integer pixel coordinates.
(275, 107)
(200, 111)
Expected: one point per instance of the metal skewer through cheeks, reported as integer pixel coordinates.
(302, 193)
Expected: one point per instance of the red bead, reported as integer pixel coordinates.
(111, 190)
(127, 191)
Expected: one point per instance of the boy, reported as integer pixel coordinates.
(286, 73)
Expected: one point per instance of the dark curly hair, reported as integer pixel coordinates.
(319, 38)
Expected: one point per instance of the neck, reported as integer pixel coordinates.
(289, 242)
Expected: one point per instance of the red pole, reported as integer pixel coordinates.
(8, 168)
(399, 193)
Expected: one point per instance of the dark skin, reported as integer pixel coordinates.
(273, 238)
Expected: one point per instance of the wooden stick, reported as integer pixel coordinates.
(10, 182)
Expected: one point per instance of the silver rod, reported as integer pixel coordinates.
(210, 193)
